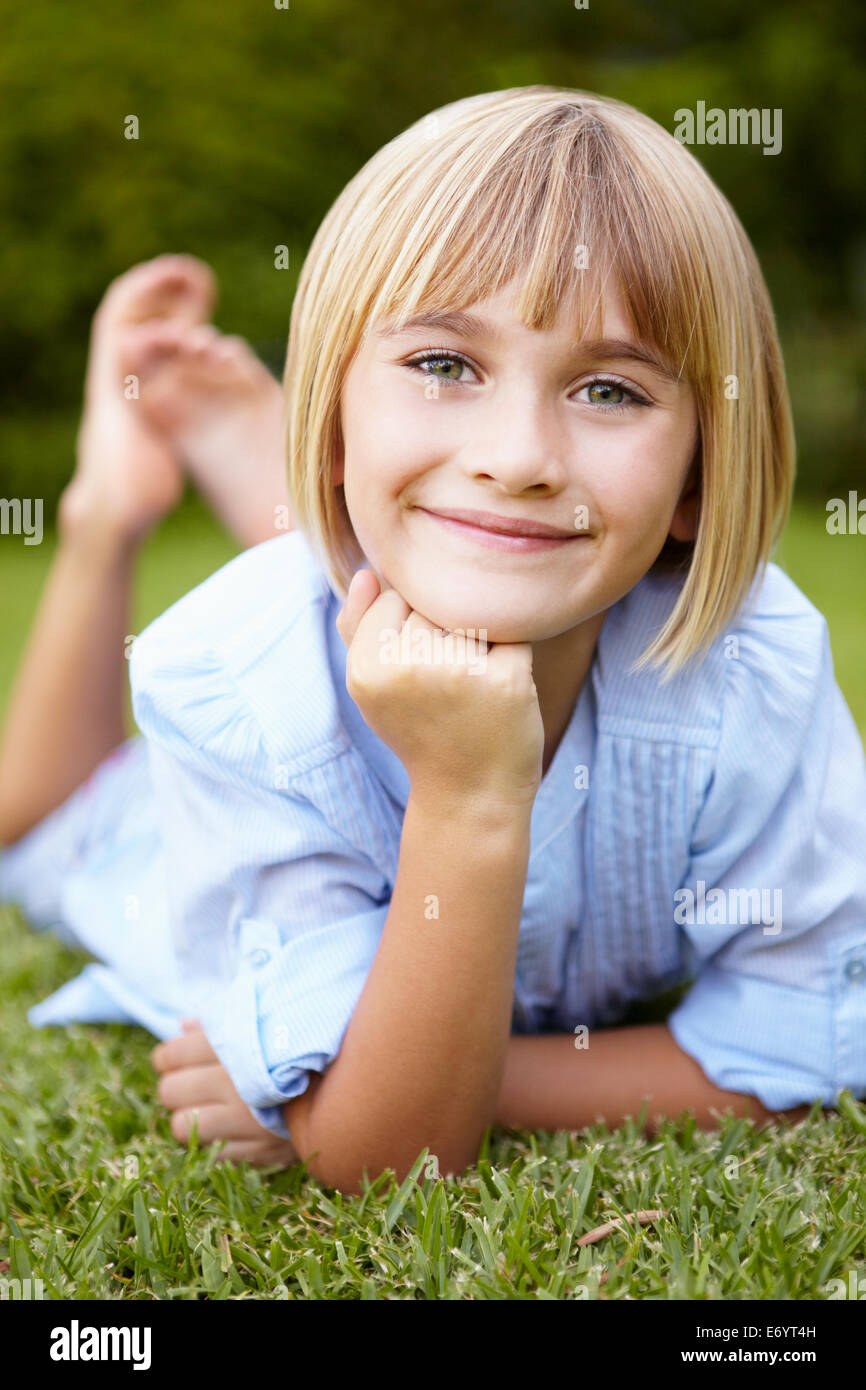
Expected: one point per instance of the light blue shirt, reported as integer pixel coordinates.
(237, 861)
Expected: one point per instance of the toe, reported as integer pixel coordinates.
(148, 346)
(233, 345)
(203, 338)
(169, 286)
(157, 332)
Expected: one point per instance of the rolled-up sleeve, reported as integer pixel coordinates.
(285, 1012)
(774, 902)
(275, 915)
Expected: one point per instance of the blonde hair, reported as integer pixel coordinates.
(514, 183)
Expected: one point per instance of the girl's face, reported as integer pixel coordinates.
(473, 413)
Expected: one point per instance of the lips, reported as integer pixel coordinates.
(504, 525)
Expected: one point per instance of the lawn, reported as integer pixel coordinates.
(98, 1200)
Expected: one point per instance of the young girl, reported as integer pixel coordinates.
(535, 399)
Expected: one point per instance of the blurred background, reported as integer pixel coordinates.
(253, 117)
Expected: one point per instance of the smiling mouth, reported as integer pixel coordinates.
(504, 533)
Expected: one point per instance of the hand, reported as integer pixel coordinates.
(465, 723)
(194, 1082)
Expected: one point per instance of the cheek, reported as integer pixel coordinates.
(637, 479)
(387, 436)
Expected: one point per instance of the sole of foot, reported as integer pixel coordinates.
(127, 475)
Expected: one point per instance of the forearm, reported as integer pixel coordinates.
(421, 1061)
(548, 1083)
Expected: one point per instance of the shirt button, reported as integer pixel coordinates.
(855, 970)
(258, 958)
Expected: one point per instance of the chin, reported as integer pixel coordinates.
(484, 620)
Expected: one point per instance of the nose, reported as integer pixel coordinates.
(517, 444)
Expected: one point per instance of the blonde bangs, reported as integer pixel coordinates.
(543, 201)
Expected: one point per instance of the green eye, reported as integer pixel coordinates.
(444, 366)
(606, 393)
(452, 365)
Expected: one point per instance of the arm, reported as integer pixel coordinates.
(548, 1083)
(422, 1058)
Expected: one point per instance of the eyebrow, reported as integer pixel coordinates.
(469, 325)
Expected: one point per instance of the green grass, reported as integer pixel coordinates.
(99, 1201)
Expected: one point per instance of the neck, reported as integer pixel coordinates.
(560, 666)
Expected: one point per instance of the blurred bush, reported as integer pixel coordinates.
(252, 118)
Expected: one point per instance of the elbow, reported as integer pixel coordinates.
(335, 1172)
(325, 1158)
(764, 1117)
(347, 1163)
(345, 1156)
(350, 1173)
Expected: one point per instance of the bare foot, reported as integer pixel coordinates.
(221, 411)
(127, 476)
